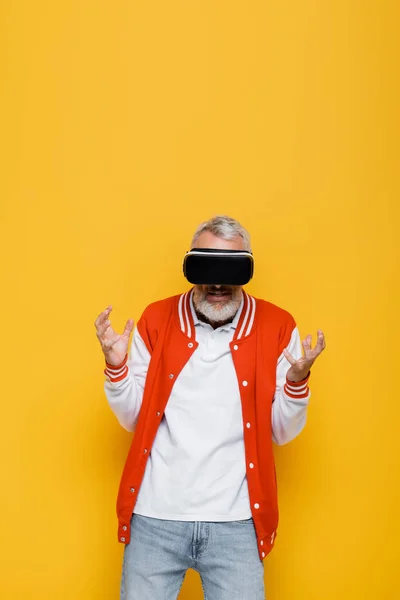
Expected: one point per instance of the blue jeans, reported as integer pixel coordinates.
(161, 551)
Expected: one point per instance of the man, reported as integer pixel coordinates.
(213, 377)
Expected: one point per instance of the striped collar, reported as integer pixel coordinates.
(242, 323)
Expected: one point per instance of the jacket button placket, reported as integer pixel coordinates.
(251, 465)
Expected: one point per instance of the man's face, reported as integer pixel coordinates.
(218, 303)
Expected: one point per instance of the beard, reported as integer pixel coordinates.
(218, 312)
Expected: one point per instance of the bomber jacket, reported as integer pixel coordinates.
(264, 330)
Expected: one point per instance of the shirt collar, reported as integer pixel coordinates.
(231, 325)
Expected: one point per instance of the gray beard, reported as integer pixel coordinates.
(218, 314)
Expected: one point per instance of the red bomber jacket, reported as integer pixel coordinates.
(168, 331)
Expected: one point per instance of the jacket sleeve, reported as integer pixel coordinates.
(289, 406)
(124, 383)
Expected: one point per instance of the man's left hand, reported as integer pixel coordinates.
(300, 368)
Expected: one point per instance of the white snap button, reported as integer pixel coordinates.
(263, 554)
(132, 490)
(248, 425)
(145, 450)
(256, 505)
(158, 414)
(171, 376)
(236, 347)
(244, 383)
(190, 345)
(124, 528)
(251, 465)
(261, 543)
(122, 539)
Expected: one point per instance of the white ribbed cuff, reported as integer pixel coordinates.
(117, 372)
(297, 389)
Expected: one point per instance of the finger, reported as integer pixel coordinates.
(308, 353)
(128, 328)
(101, 329)
(103, 315)
(321, 333)
(289, 357)
(320, 345)
(307, 342)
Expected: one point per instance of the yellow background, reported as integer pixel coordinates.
(124, 125)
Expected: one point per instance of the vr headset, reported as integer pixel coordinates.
(220, 267)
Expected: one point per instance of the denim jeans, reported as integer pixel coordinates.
(161, 551)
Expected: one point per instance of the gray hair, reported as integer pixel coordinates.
(224, 227)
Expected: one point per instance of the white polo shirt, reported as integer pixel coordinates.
(196, 469)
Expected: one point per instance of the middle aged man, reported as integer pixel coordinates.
(214, 376)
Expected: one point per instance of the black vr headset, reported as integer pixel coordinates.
(219, 267)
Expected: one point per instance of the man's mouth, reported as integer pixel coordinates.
(217, 295)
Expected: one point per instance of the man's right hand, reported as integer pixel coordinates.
(114, 346)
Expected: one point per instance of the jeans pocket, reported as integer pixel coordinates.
(245, 521)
